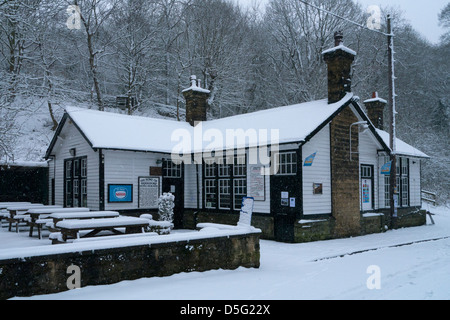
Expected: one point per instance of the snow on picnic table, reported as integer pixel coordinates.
(334, 269)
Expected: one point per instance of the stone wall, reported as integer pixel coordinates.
(35, 275)
(314, 230)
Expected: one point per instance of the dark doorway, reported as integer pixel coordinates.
(285, 196)
(173, 182)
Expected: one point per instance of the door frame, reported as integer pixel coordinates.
(284, 217)
(178, 182)
(372, 178)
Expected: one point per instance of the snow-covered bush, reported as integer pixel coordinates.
(166, 203)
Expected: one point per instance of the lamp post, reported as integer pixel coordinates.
(393, 192)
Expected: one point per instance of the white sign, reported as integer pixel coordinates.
(256, 187)
(148, 192)
(245, 217)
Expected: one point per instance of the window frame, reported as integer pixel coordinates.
(224, 183)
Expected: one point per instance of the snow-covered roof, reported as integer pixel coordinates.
(375, 100)
(340, 47)
(402, 148)
(28, 164)
(293, 123)
(105, 130)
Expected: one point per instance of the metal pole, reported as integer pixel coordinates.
(393, 176)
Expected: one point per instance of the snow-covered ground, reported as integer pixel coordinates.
(408, 264)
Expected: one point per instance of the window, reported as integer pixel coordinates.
(240, 191)
(210, 194)
(402, 180)
(287, 163)
(171, 170)
(387, 193)
(225, 183)
(84, 182)
(224, 194)
(366, 172)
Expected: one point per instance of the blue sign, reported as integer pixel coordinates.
(120, 193)
(309, 160)
(386, 168)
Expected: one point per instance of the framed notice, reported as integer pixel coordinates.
(149, 192)
(120, 193)
(317, 188)
(256, 187)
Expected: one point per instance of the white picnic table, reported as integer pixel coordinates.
(39, 216)
(4, 205)
(18, 213)
(71, 228)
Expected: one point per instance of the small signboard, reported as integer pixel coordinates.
(309, 160)
(120, 193)
(386, 168)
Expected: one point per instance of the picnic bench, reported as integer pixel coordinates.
(40, 216)
(17, 213)
(4, 214)
(70, 229)
(4, 205)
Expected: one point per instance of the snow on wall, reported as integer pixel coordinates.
(319, 172)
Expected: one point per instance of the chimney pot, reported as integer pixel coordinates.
(338, 38)
(196, 101)
(375, 110)
(193, 80)
(339, 61)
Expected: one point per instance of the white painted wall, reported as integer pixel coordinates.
(70, 138)
(125, 167)
(319, 172)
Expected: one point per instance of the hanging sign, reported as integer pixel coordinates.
(386, 168)
(309, 160)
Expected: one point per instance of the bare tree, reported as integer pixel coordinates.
(94, 15)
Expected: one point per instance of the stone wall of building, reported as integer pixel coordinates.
(345, 175)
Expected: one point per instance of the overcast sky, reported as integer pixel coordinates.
(423, 15)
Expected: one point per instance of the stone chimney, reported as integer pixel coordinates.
(196, 102)
(375, 110)
(339, 60)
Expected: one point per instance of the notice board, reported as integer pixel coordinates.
(149, 192)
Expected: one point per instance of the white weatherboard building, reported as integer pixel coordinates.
(319, 161)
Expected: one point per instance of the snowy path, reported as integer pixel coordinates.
(335, 269)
